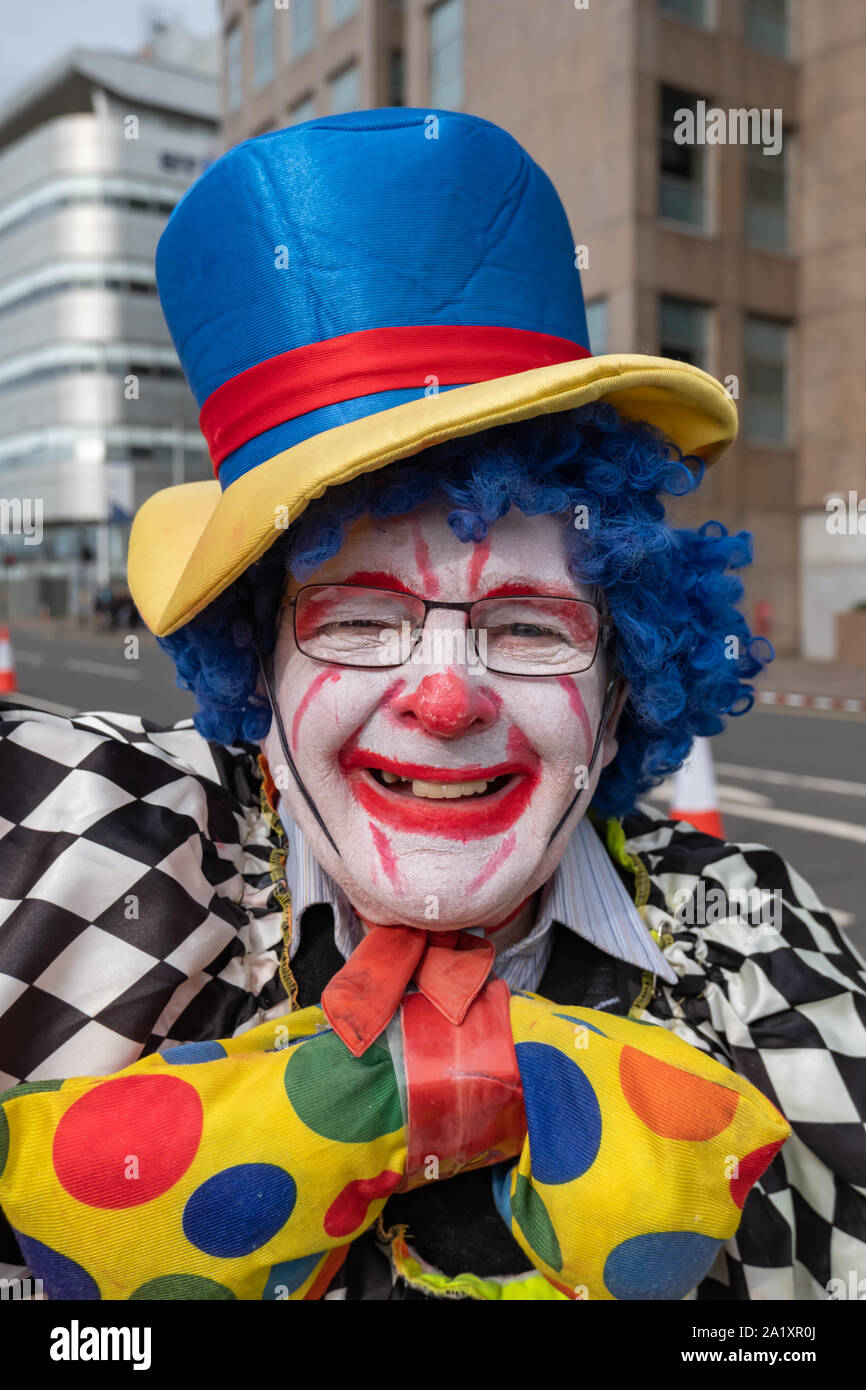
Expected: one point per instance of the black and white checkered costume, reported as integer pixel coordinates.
(142, 905)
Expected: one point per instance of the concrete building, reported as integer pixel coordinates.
(94, 411)
(710, 156)
(291, 60)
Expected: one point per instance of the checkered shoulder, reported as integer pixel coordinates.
(137, 900)
(768, 985)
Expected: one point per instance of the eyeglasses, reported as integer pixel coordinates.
(514, 634)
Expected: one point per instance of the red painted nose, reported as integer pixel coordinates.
(446, 704)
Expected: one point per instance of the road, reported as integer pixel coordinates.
(792, 779)
(99, 671)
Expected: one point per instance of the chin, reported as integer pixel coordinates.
(438, 888)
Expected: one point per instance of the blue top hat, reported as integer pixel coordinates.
(348, 225)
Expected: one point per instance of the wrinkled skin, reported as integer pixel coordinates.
(405, 857)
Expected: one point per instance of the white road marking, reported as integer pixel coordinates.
(742, 795)
(738, 805)
(797, 820)
(100, 668)
(835, 785)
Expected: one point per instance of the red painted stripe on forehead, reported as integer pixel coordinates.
(480, 556)
(424, 563)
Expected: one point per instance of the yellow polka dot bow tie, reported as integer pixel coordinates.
(620, 1156)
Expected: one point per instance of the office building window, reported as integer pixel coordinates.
(682, 171)
(767, 197)
(304, 110)
(346, 90)
(234, 77)
(263, 43)
(342, 10)
(303, 15)
(694, 11)
(766, 381)
(766, 26)
(684, 331)
(596, 322)
(445, 42)
(395, 77)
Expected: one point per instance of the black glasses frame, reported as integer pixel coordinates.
(606, 630)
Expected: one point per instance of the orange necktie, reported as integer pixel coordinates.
(449, 968)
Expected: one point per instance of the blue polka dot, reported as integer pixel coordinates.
(660, 1265)
(285, 1278)
(193, 1052)
(500, 1176)
(62, 1277)
(239, 1209)
(562, 1113)
(581, 1023)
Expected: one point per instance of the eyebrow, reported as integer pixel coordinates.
(385, 579)
(528, 586)
(377, 579)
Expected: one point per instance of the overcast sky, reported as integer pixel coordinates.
(35, 33)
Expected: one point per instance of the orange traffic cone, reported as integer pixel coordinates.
(694, 798)
(8, 683)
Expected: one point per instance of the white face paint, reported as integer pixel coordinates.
(411, 852)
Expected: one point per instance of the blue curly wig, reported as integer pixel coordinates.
(669, 590)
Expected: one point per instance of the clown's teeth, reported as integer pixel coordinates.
(448, 791)
(390, 776)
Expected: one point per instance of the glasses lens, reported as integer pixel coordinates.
(354, 626)
(535, 636)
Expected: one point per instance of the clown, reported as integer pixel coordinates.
(405, 964)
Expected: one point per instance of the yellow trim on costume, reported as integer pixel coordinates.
(419, 1275)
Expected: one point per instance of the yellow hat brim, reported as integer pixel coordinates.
(190, 542)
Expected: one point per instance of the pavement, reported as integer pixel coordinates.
(791, 773)
(797, 683)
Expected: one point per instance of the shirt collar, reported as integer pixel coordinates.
(584, 893)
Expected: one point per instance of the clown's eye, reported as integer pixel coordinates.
(531, 630)
(345, 624)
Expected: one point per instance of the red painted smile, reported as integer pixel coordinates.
(384, 788)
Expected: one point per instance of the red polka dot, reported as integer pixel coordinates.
(347, 1212)
(750, 1169)
(672, 1102)
(128, 1140)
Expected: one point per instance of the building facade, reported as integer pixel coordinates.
(710, 157)
(286, 61)
(94, 411)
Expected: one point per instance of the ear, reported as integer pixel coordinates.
(609, 743)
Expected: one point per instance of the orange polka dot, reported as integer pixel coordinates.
(672, 1102)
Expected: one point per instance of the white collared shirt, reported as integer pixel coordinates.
(584, 893)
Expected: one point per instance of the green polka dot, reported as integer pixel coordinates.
(182, 1286)
(30, 1088)
(530, 1213)
(4, 1139)
(350, 1099)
